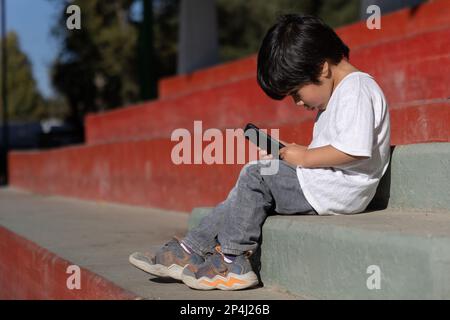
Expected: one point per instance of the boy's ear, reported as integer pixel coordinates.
(326, 70)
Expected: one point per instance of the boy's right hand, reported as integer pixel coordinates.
(263, 154)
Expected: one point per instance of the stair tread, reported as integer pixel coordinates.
(418, 222)
(101, 236)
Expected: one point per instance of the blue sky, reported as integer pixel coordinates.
(32, 20)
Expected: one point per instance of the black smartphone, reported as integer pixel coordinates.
(263, 140)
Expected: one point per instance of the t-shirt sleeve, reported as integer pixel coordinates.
(354, 124)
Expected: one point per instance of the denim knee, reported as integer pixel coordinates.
(260, 166)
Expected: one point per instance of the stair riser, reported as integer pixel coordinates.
(143, 173)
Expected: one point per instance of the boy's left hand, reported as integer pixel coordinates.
(293, 153)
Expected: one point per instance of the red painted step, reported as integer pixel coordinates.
(396, 25)
(30, 272)
(406, 70)
(409, 21)
(233, 105)
(142, 172)
(171, 87)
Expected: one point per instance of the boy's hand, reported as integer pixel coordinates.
(293, 153)
(263, 154)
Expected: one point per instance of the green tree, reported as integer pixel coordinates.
(339, 12)
(243, 24)
(166, 22)
(96, 68)
(99, 66)
(24, 101)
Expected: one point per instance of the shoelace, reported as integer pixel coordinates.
(218, 248)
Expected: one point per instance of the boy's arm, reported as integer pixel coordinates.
(326, 156)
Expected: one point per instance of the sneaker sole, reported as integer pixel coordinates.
(174, 271)
(232, 282)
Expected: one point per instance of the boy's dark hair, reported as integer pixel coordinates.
(293, 52)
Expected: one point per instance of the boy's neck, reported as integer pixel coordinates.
(340, 71)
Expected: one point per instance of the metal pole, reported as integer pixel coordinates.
(5, 144)
(198, 40)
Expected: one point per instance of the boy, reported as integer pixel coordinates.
(336, 174)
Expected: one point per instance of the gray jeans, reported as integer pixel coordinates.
(236, 222)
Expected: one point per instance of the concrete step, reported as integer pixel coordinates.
(395, 25)
(142, 173)
(404, 68)
(98, 237)
(388, 254)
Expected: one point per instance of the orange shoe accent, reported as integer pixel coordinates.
(227, 283)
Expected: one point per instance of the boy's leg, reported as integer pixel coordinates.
(202, 239)
(256, 195)
(238, 225)
(174, 256)
(237, 221)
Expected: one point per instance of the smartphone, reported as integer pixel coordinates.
(263, 140)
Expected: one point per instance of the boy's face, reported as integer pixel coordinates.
(314, 96)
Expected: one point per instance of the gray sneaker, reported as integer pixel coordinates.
(216, 273)
(168, 261)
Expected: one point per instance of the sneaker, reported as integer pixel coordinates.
(216, 273)
(168, 261)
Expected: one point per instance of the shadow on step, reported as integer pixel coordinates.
(381, 199)
(164, 280)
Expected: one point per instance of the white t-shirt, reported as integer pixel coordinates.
(355, 121)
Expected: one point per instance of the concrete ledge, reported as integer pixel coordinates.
(420, 176)
(39, 236)
(328, 257)
(417, 178)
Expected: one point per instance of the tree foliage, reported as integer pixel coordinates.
(98, 66)
(243, 24)
(24, 101)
